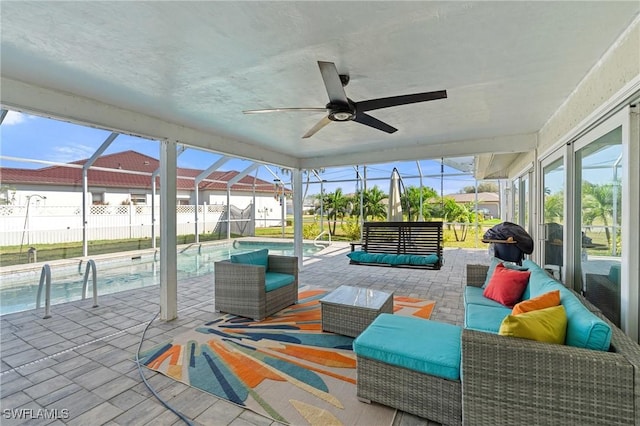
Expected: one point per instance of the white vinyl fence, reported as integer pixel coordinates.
(47, 225)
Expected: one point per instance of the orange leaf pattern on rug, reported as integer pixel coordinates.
(413, 306)
(284, 367)
(248, 370)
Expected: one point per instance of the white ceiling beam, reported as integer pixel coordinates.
(482, 163)
(215, 166)
(24, 97)
(499, 144)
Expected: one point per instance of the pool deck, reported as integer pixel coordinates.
(80, 359)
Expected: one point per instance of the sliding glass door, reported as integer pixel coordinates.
(599, 191)
(553, 205)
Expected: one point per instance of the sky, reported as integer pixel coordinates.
(38, 138)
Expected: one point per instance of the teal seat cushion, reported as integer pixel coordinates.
(361, 256)
(258, 257)
(393, 259)
(425, 346)
(584, 328)
(484, 318)
(429, 259)
(275, 280)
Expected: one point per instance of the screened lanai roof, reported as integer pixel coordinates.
(185, 71)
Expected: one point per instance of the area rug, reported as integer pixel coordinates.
(283, 367)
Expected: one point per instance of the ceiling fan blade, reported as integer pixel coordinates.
(370, 121)
(400, 100)
(260, 111)
(319, 125)
(332, 82)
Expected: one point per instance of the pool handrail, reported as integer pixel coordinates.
(45, 279)
(91, 265)
(315, 240)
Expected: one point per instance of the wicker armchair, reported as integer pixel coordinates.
(240, 288)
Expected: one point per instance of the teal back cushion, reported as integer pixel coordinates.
(584, 329)
(259, 258)
(614, 274)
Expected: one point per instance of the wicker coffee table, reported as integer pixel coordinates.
(349, 310)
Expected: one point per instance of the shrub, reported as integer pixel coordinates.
(310, 231)
(351, 228)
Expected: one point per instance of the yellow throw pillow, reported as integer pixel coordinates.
(545, 300)
(544, 325)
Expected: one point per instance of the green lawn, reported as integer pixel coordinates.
(13, 255)
(340, 235)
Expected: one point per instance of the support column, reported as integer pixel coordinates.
(631, 221)
(168, 240)
(296, 175)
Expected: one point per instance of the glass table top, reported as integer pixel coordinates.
(356, 296)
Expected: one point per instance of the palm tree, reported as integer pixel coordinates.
(597, 203)
(554, 207)
(411, 198)
(336, 204)
(372, 206)
(307, 174)
(457, 213)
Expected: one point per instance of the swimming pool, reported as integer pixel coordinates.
(18, 292)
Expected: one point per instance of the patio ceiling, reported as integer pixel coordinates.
(187, 70)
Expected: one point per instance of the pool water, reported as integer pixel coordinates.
(19, 293)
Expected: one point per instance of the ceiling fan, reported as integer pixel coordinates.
(341, 108)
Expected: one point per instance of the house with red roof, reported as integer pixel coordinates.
(45, 205)
(126, 177)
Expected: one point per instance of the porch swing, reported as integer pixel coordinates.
(400, 244)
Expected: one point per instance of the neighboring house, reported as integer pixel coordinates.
(488, 202)
(62, 185)
(45, 205)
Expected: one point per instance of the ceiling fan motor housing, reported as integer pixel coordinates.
(339, 112)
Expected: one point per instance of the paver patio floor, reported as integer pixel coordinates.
(80, 359)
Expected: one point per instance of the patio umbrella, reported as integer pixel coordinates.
(394, 214)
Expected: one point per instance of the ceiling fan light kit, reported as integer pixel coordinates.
(341, 108)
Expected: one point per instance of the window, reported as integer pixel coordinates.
(138, 199)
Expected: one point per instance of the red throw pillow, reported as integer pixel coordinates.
(506, 285)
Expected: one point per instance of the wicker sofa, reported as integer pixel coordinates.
(255, 285)
(504, 380)
(511, 381)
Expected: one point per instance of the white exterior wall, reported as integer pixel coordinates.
(114, 197)
(56, 196)
(619, 67)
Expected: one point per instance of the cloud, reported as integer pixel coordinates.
(67, 154)
(14, 117)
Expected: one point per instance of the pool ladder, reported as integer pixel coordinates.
(45, 280)
(316, 241)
